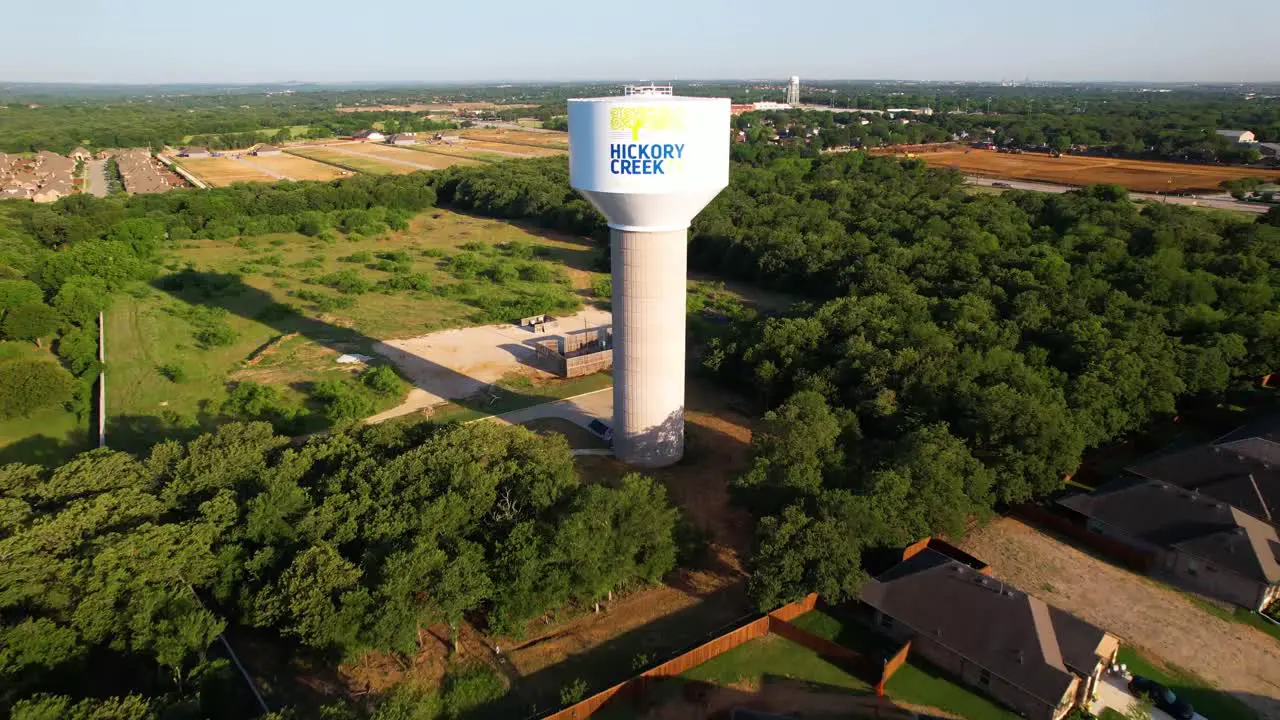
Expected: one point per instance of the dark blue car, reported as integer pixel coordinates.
(1161, 697)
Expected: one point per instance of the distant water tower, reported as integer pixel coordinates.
(649, 161)
(793, 90)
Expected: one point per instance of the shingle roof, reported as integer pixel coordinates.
(1013, 635)
(1241, 468)
(1170, 516)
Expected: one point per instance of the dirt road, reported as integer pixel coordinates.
(1234, 657)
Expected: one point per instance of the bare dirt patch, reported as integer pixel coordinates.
(298, 168)
(1162, 622)
(1139, 175)
(223, 171)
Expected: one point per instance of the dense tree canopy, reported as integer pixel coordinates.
(351, 542)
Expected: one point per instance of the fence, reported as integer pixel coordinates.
(1116, 550)
(892, 665)
(777, 622)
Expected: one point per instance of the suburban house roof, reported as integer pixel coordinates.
(266, 148)
(1170, 516)
(1241, 469)
(368, 134)
(194, 151)
(1016, 636)
(1237, 134)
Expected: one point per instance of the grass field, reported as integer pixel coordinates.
(1139, 175)
(351, 162)
(289, 327)
(298, 168)
(59, 433)
(223, 171)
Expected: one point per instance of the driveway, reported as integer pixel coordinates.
(580, 410)
(95, 174)
(1113, 692)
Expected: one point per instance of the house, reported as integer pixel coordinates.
(266, 150)
(1013, 647)
(194, 152)
(402, 139)
(1194, 540)
(1240, 137)
(80, 154)
(370, 135)
(1271, 150)
(1240, 469)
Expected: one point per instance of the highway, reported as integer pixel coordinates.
(1216, 202)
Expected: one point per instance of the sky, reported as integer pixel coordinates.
(243, 41)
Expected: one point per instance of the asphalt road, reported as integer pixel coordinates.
(1218, 203)
(95, 173)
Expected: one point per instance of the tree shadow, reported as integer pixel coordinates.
(44, 449)
(229, 292)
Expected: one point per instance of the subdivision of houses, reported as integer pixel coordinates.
(1011, 646)
(141, 173)
(45, 177)
(1204, 516)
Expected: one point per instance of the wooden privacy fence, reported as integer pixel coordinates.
(778, 622)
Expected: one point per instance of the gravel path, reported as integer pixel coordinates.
(1164, 623)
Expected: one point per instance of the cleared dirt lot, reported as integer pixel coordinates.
(1140, 175)
(456, 364)
(297, 168)
(401, 155)
(1164, 623)
(545, 138)
(223, 171)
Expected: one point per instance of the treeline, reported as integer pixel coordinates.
(120, 572)
(336, 125)
(536, 190)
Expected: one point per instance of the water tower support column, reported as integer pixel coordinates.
(649, 270)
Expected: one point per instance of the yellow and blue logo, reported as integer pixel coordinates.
(628, 155)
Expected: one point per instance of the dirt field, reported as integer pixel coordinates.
(432, 107)
(1236, 658)
(399, 155)
(547, 139)
(297, 168)
(358, 163)
(223, 171)
(1139, 175)
(501, 148)
(455, 364)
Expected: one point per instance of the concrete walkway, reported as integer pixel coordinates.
(1113, 692)
(579, 410)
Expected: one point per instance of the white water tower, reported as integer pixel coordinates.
(649, 162)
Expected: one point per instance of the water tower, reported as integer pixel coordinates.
(649, 161)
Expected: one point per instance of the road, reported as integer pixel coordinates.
(579, 409)
(95, 173)
(1217, 203)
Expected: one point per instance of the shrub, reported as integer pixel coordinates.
(410, 281)
(465, 266)
(30, 385)
(573, 691)
(78, 350)
(81, 299)
(172, 372)
(434, 252)
(31, 322)
(473, 246)
(467, 687)
(536, 272)
(210, 326)
(602, 288)
(383, 380)
(342, 400)
(357, 257)
(399, 256)
(518, 250)
(347, 282)
(502, 272)
(324, 302)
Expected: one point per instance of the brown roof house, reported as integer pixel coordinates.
(266, 150)
(402, 139)
(1012, 647)
(80, 154)
(1194, 540)
(194, 152)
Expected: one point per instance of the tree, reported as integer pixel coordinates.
(17, 293)
(81, 298)
(30, 385)
(31, 322)
(799, 554)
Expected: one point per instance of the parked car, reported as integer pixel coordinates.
(601, 430)
(1001, 185)
(1161, 697)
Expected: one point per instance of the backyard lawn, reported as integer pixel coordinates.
(750, 662)
(1207, 700)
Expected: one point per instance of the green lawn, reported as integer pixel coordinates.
(45, 437)
(777, 656)
(1207, 700)
(1238, 615)
(349, 162)
(916, 682)
(516, 393)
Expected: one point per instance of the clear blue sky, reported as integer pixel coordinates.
(149, 41)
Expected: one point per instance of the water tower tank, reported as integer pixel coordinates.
(649, 161)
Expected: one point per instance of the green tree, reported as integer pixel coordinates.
(31, 322)
(30, 385)
(81, 298)
(17, 293)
